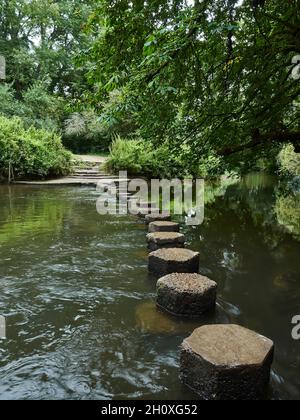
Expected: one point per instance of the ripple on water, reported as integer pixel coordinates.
(81, 316)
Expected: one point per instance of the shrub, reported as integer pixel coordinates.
(139, 157)
(31, 152)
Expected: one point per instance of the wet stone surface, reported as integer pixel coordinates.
(160, 240)
(227, 362)
(174, 260)
(186, 295)
(162, 217)
(163, 227)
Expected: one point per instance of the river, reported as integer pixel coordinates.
(79, 305)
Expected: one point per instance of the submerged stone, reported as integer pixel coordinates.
(174, 260)
(150, 320)
(164, 227)
(227, 362)
(186, 295)
(160, 240)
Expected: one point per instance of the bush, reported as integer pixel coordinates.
(31, 152)
(139, 157)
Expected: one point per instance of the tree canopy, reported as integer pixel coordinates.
(212, 77)
(40, 39)
(215, 80)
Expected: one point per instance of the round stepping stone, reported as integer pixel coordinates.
(186, 295)
(159, 217)
(174, 260)
(164, 227)
(160, 240)
(227, 362)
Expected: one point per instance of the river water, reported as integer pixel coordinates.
(79, 305)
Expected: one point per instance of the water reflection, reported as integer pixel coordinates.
(79, 305)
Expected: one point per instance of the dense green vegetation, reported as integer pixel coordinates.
(30, 152)
(217, 79)
(41, 41)
(185, 87)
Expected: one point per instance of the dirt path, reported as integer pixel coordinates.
(90, 159)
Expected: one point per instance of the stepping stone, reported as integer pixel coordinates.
(164, 227)
(159, 217)
(160, 240)
(186, 295)
(227, 362)
(174, 260)
(151, 321)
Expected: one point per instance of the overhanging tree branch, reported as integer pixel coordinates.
(199, 9)
(258, 139)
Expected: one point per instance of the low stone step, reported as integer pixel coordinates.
(174, 260)
(158, 240)
(92, 176)
(186, 295)
(164, 227)
(87, 171)
(161, 217)
(227, 362)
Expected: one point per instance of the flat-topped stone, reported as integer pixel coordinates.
(227, 362)
(155, 217)
(186, 295)
(174, 260)
(160, 226)
(158, 240)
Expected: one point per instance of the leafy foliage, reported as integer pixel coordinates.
(288, 213)
(37, 108)
(289, 162)
(85, 132)
(31, 152)
(40, 40)
(215, 76)
(140, 157)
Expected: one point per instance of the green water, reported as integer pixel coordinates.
(79, 304)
